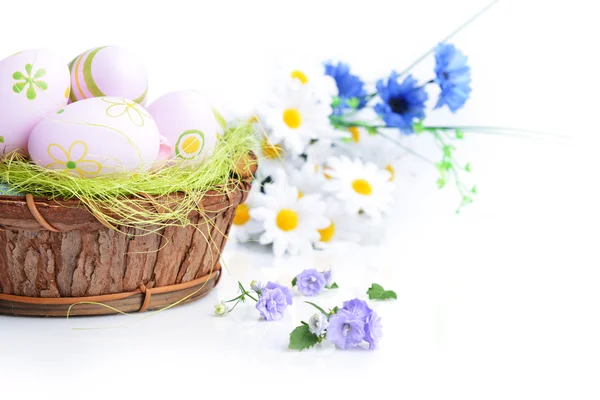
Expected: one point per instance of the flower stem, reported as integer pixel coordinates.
(318, 308)
(407, 149)
(497, 130)
(450, 36)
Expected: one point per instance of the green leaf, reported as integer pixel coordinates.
(474, 189)
(294, 281)
(468, 167)
(418, 127)
(441, 182)
(301, 338)
(333, 286)
(1, 139)
(459, 134)
(335, 310)
(318, 308)
(220, 119)
(335, 102)
(377, 292)
(353, 102)
(371, 130)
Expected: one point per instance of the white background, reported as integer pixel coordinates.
(501, 302)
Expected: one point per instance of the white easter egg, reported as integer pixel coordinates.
(189, 124)
(33, 85)
(97, 136)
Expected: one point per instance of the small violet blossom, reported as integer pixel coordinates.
(345, 329)
(287, 292)
(311, 282)
(272, 304)
(354, 324)
(317, 324)
(256, 286)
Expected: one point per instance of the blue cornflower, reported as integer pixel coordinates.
(403, 103)
(453, 75)
(349, 86)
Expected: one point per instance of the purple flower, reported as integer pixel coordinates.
(272, 304)
(359, 308)
(345, 330)
(256, 286)
(310, 282)
(327, 275)
(287, 292)
(373, 331)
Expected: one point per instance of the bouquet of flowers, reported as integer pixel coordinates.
(329, 145)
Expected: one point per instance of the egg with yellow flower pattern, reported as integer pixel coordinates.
(97, 136)
(189, 123)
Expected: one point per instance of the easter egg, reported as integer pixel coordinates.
(33, 84)
(97, 136)
(188, 123)
(108, 71)
(7, 190)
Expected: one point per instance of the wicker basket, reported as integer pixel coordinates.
(56, 254)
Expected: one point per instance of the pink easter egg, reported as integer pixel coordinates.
(97, 136)
(33, 84)
(189, 124)
(108, 71)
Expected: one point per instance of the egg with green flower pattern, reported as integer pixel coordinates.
(97, 136)
(33, 85)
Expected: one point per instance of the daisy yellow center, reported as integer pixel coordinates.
(292, 118)
(327, 233)
(355, 133)
(300, 194)
(390, 169)
(271, 151)
(301, 76)
(242, 214)
(363, 187)
(191, 145)
(287, 220)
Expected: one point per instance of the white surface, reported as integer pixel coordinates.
(501, 302)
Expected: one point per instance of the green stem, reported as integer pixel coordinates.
(450, 36)
(407, 149)
(318, 308)
(493, 130)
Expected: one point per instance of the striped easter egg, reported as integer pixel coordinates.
(108, 71)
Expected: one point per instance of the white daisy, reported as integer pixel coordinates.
(342, 226)
(293, 116)
(309, 74)
(360, 187)
(246, 228)
(289, 222)
(319, 151)
(272, 158)
(308, 178)
(371, 148)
